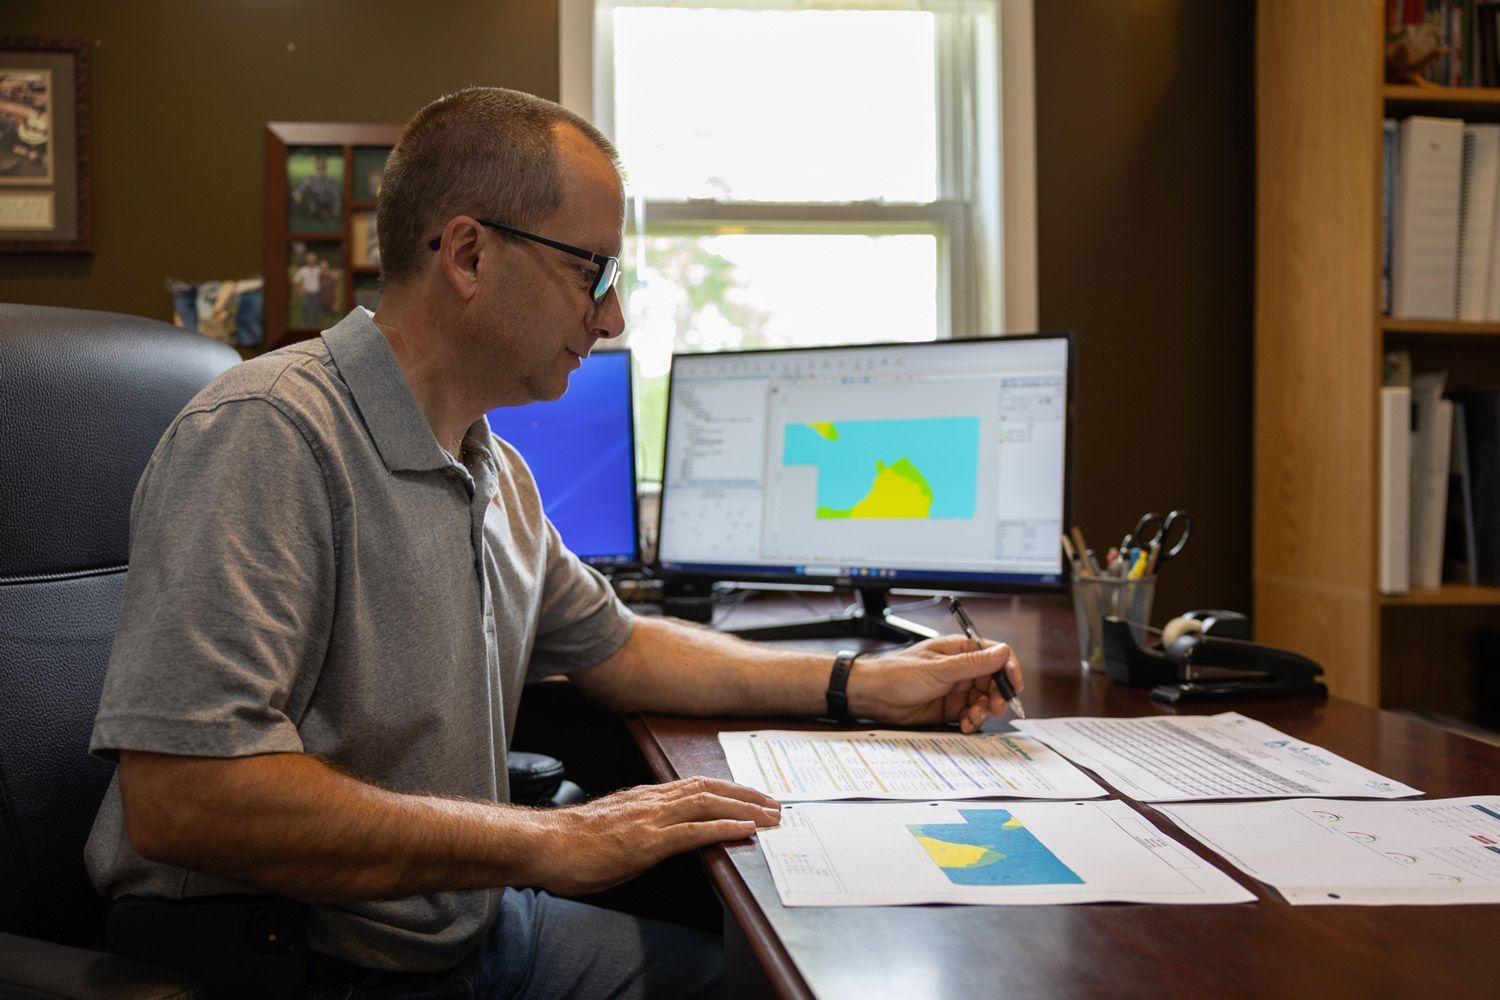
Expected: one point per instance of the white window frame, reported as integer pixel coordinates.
(1005, 200)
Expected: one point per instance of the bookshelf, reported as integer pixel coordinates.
(1319, 340)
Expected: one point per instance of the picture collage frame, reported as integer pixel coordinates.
(322, 255)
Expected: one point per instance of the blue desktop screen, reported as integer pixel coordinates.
(581, 449)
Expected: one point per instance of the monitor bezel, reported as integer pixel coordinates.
(956, 581)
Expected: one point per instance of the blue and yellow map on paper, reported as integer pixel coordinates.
(991, 847)
(927, 468)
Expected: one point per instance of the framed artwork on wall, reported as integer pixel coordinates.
(321, 257)
(45, 195)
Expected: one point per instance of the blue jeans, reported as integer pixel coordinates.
(541, 946)
(185, 303)
(249, 330)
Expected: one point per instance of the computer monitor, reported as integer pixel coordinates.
(940, 465)
(581, 449)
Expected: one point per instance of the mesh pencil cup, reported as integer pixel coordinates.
(1097, 596)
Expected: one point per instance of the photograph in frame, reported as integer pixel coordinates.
(25, 126)
(315, 189)
(367, 291)
(315, 282)
(364, 244)
(369, 166)
(45, 197)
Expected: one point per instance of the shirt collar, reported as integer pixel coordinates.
(381, 393)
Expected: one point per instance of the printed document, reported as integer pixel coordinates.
(1012, 853)
(1194, 757)
(890, 764)
(1320, 852)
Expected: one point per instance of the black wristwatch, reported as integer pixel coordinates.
(838, 698)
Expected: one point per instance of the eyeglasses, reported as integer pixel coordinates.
(604, 278)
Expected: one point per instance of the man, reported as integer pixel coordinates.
(309, 281)
(318, 196)
(340, 580)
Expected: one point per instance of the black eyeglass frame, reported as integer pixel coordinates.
(604, 278)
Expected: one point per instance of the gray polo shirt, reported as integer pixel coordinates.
(311, 573)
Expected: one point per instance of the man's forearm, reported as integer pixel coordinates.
(672, 666)
(291, 824)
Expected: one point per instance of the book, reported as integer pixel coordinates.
(1424, 251)
(1431, 452)
(1482, 448)
(1388, 208)
(1479, 191)
(1395, 489)
(1459, 563)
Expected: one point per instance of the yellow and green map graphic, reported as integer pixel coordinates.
(926, 468)
(991, 847)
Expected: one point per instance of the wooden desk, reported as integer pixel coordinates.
(1264, 949)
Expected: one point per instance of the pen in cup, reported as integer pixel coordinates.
(1001, 681)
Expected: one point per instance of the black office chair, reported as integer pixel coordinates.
(84, 397)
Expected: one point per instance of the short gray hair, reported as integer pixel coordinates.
(482, 151)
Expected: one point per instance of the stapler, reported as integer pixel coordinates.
(1207, 656)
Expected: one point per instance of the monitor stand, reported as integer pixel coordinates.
(871, 620)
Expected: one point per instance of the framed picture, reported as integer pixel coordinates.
(315, 190)
(364, 244)
(315, 281)
(369, 166)
(322, 186)
(367, 291)
(45, 204)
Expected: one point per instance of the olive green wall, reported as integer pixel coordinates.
(182, 90)
(1145, 148)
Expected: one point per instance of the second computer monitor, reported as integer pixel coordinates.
(939, 464)
(581, 449)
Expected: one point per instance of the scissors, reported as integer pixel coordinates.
(1155, 531)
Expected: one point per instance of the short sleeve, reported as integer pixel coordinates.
(228, 602)
(582, 621)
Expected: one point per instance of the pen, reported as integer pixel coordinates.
(1001, 681)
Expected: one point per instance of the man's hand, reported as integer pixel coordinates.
(939, 680)
(604, 842)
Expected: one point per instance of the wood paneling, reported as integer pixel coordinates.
(1317, 352)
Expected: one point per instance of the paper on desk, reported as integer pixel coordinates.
(892, 764)
(1013, 853)
(1320, 852)
(1225, 756)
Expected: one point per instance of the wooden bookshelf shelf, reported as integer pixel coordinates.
(1439, 327)
(1469, 103)
(1451, 595)
(1442, 95)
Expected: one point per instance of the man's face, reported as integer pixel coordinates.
(310, 259)
(539, 311)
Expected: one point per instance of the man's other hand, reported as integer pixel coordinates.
(604, 842)
(939, 680)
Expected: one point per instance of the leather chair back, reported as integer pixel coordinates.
(84, 397)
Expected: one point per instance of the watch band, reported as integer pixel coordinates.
(838, 698)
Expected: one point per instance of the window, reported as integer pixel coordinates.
(803, 172)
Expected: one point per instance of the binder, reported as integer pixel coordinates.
(1482, 432)
(1395, 489)
(1431, 450)
(1459, 562)
(1425, 235)
(1479, 190)
(1387, 208)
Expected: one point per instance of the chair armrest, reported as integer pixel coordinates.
(32, 969)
